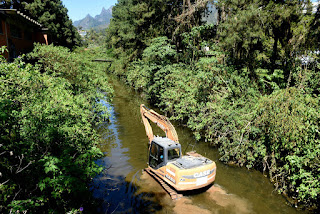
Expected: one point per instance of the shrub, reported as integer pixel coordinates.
(47, 141)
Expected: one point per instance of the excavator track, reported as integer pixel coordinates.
(171, 191)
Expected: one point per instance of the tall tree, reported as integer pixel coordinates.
(314, 33)
(242, 32)
(53, 15)
(135, 22)
(263, 33)
(283, 23)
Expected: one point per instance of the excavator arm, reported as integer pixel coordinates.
(161, 121)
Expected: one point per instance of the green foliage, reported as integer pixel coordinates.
(125, 30)
(95, 38)
(157, 56)
(195, 40)
(264, 34)
(160, 51)
(288, 122)
(3, 49)
(136, 23)
(242, 33)
(314, 33)
(53, 15)
(85, 77)
(48, 144)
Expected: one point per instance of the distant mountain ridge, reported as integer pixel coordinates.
(100, 21)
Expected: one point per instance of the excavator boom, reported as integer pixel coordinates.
(161, 121)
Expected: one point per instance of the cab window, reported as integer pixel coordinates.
(173, 153)
(154, 150)
(156, 158)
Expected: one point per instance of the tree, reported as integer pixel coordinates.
(136, 23)
(284, 19)
(242, 33)
(263, 33)
(53, 15)
(314, 33)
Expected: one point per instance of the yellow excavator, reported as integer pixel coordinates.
(166, 163)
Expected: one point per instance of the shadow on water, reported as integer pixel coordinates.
(119, 196)
(197, 191)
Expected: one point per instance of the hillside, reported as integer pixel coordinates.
(98, 22)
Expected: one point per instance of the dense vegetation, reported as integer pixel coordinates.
(47, 140)
(52, 14)
(94, 38)
(252, 94)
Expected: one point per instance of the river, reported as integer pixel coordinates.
(125, 188)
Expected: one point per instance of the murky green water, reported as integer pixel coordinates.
(125, 188)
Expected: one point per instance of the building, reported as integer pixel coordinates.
(82, 33)
(19, 32)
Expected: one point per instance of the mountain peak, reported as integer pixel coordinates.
(100, 21)
(110, 10)
(88, 16)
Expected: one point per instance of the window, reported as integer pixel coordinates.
(1, 29)
(156, 157)
(15, 31)
(154, 150)
(173, 154)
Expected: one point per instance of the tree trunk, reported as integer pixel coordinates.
(274, 54)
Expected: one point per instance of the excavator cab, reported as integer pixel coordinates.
(162, 151)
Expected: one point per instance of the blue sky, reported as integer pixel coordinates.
(78, 9)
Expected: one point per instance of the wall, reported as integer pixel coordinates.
(21, 42)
